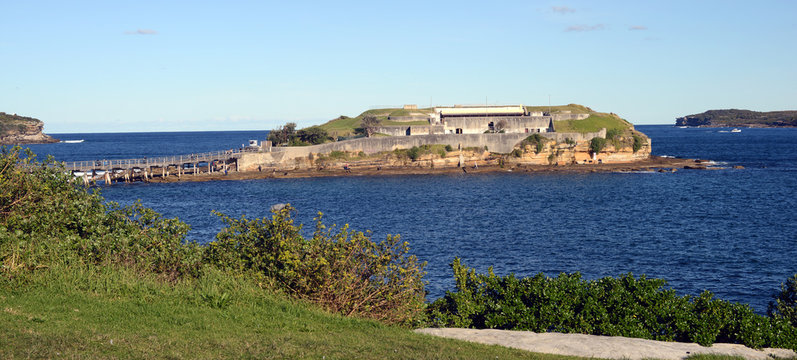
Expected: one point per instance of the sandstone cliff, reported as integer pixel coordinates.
(626, 147)
(15, 130)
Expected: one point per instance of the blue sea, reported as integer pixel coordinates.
(732, 232)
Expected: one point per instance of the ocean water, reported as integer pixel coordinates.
(732, 232)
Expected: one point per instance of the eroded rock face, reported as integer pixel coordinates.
(16, 130)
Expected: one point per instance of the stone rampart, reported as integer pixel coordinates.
(406, 130)
(569, 116)
(409, 118)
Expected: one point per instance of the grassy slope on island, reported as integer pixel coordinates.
(344, 125)
(595, 121)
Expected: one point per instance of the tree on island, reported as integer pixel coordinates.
(368, 125)
(287, 135)
(313, 135)
(283, 134)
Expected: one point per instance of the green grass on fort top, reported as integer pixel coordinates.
(344, 126)
(89, 312)
(573, 108)
(593, 123)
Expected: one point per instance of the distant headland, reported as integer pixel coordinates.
(16, 130)
(739, 118)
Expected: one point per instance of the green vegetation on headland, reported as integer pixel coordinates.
(740, 118)
(83, 278)
(16, 129)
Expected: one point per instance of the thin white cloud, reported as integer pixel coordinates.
(562, 9)
(579, 28)
(638, 27)
(142, 32)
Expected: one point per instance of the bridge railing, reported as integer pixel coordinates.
(158, 161)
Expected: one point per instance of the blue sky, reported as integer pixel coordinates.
(109, 66)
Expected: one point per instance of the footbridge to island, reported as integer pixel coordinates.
(146, 168)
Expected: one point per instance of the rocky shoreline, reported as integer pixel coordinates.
(652, 164)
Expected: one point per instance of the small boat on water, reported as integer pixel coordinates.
(735, 130)
(72, 141)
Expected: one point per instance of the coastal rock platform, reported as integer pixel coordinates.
(607, 347)
(652, 164)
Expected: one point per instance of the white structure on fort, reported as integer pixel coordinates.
(481, 119)
(478, 119)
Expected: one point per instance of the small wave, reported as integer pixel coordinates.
(72, 141)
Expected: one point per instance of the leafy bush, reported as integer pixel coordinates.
(597, 144)
(449, 148)
(537, 141)
(338, 269)
(414, 153)
(785, 304)
(48, 218)
(613, 133)
(338, 155)
(638, 142)
(623, 306)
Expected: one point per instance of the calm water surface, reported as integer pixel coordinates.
(732, 232)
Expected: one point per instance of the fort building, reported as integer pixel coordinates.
(480, 119)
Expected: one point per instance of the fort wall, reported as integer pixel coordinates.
(497, 143)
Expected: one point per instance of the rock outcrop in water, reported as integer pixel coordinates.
(739, 118)
(15, 130)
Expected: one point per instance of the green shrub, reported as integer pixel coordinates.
(537, 141)
(414, 153)
(623, 306)
(47, 218)
(338, 155)
(613, 133)
(597, 144)
(341, 270)
(638, 142)
(449, 148)
(785, 304)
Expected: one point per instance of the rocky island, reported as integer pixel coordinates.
(739, 118)
(408, 140)
(16, 130)
(456, 136)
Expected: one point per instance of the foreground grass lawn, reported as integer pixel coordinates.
(112, 314)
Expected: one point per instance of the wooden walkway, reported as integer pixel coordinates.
(143, 169)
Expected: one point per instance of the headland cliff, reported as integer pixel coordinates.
(16, 130)
(739, 118)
